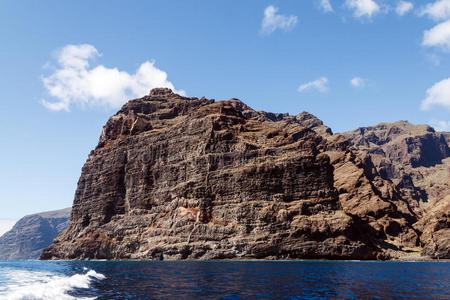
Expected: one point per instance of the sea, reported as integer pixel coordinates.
(223, 280)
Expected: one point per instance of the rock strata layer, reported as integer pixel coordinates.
(31, 234)
(187, 178)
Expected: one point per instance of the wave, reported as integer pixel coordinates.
(34, 285)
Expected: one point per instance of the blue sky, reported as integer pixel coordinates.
(352, 63)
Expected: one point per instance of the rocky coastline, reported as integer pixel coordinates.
(186, 178)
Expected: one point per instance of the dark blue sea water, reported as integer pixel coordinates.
(223, 280)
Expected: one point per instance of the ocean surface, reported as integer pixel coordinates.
(223, 280)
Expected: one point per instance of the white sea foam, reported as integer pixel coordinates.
(32, 285)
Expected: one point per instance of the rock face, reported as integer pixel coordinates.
(416, 160)
(187, 178)
(31, 234)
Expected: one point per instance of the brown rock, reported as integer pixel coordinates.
(416, 160)
(187, 178)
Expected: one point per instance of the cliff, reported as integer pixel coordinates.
(187, 178)
(417, 160)
(31, 234)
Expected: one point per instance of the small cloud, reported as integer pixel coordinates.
(434, 59)
(320, 85)
(440, 125)
(438, 94)
(438, 10)
(74, 81)
(438, 36)
(47, 65)
(56, 106)
(363, 8)
(325, 6)
(358, 82)
(273, 21)
(403, 7)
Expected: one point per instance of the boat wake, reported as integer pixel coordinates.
(35, 285)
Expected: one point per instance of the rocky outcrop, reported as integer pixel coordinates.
(187, 178)
(446, 136)
(31, 234)
(416, 159)
(304, 119)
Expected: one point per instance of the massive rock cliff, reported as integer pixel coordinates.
(31, 234)
(416, 159)
(187, 178)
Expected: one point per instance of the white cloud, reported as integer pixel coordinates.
(273, 21)
(438, 36)
(403, 7)
(438, 94)
(357, 82)
(325, 5)
(320, 85)
(77, 56)
(6, 225)
(439, 10)
(440, 125)
(363, 8)
(76, 82)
